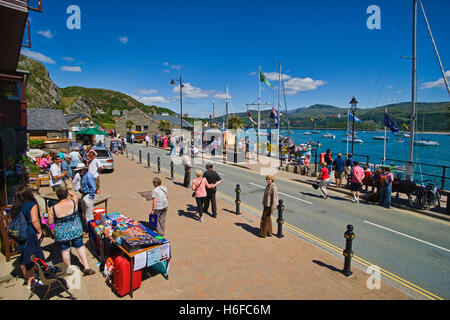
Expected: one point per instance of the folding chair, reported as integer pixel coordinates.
(49, 282)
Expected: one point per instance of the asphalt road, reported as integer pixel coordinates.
(412, 250)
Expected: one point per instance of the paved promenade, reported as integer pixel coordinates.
(218, 259)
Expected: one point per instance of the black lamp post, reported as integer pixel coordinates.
(354, 102)
(173, 82)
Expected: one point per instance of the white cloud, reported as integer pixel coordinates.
(222, 95)
(166, 70)
(295, 85)
(151, 100)
(147, 91)
(438, 83)
(273, 76)
(165, 63)
(46, 33)
(124, 39)
(252, 73)
(176, 66)
(190, 91)
(37, 56)
(71, 69)
(68, 59)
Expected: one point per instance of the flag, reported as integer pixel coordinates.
(403, 124)
(350, 117)
(389, 124)
(262, 78)
(250, 117)
(274, 116)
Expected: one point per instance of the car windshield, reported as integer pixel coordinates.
(102, 153)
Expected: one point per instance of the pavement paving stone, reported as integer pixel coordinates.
(220, 258)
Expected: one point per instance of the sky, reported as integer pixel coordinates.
(327, 51)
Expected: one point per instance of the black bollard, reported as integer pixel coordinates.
(140, 156)
(348, 253)
(238, 199)
(159, 165)
(171, 170)
(148, 160)
(280, 220)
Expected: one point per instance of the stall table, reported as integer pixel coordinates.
(99, 199)
(162, 265)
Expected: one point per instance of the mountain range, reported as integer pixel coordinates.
(42, 92)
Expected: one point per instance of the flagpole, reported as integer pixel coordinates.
(384, 151)
(279, 115)
(259, 114)
(348, 116)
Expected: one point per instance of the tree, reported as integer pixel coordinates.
(129, 124)
(164, 126)
(235, 123)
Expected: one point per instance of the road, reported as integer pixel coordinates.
(412, 250)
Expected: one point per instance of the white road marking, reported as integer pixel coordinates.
(287, 195)
(405, 235)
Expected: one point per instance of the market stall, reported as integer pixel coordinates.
(139, 248)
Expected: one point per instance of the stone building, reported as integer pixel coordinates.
(141, 122)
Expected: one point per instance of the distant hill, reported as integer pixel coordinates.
(433, 116)
(42, 92)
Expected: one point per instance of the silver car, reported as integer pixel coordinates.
(105, 158)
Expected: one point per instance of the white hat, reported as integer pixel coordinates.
(80, 166)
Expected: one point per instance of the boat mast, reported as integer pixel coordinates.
(279, 101)
(414, 77)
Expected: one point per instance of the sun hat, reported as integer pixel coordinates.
(80, 166)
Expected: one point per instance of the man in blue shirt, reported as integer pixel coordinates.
(339, 170)
(87, 189)
(67, 171)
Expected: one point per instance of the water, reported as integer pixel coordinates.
(394, 150)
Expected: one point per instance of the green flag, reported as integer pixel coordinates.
(262, 78)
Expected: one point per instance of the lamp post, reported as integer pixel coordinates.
(173, 82)
(353, 103)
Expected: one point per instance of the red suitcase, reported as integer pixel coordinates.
(121, 277)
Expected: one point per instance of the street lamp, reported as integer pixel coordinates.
(353, 103)
(174, 82)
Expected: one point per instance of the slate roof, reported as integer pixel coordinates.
(174, 120)
(46, 120)
(72, 116)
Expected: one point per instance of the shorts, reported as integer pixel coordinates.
(97, 183)
(339, 175)
(355, 186)
(76, 243)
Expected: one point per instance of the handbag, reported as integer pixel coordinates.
(18, 228)
(315, 185)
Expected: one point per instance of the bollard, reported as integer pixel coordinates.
(280, 220)
(171, 170)
(238, 199)
(140, 156)
(348, 253)
(159, 165)
(148, 160)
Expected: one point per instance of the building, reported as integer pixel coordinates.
(175, 121)
(46, 124)
(137, 120)
(13, 104)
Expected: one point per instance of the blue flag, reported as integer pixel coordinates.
(350, 117)
(389, 124)
(274, 116)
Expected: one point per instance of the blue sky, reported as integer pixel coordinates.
(327, 52)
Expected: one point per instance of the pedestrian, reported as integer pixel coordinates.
(25, 203)
(199, 185)
(87, 190)
(187, 164)
(328, 158)
(270, 202)
(213, 180)
(68, 228)
(75, 157)
(356, 182)
(386, 188)
(159, 205)
(124, 143)
(339, 170)
(95, 167)
(67, 171)
(76, 181)
(349, 167)
(324, 179)
(147, 140)
(132, 138)
(55, 174)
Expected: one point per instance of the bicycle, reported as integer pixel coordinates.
(425, 196)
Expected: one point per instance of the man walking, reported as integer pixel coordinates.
(339, 170)
(87, 190)
(213, 179)
(147, 139)
(187, 164)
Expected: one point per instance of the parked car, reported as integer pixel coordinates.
(105, 158)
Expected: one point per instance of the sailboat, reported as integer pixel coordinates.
(426, 143)
(380, 138)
